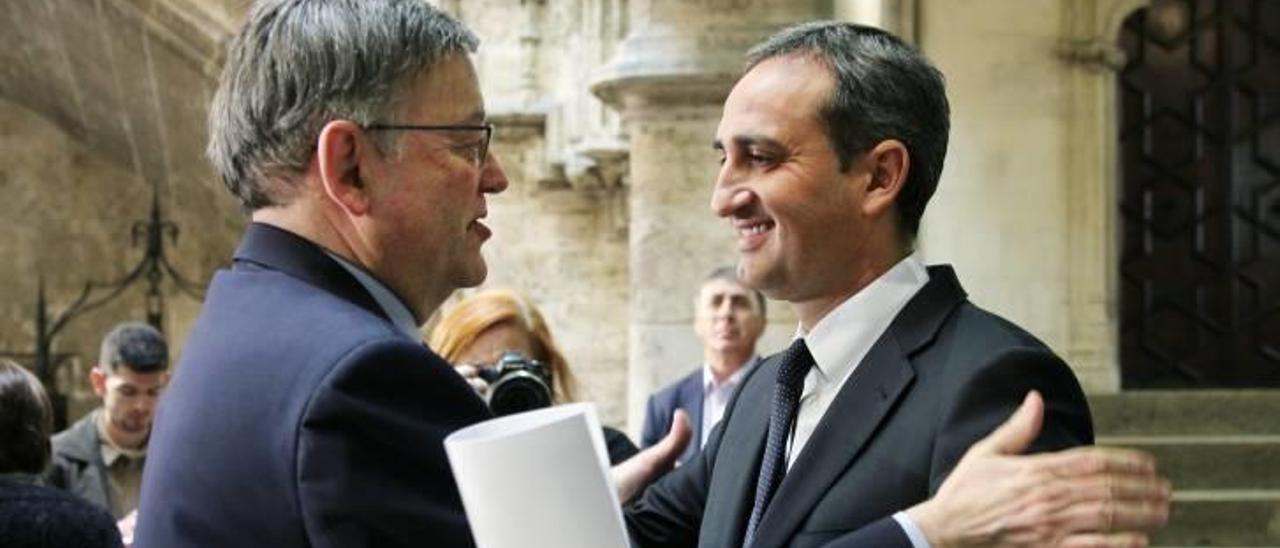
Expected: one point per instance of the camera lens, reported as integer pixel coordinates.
(515, 393)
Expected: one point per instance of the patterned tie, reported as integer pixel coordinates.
(796, 362)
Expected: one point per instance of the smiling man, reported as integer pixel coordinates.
(832, 144)
(728, 319)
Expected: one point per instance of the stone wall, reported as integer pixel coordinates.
(605, 111)
(69, 217)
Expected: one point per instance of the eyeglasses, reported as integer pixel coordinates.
(481, 149)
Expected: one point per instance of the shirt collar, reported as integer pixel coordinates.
(709, 378)
(842, 337)
(394, 308)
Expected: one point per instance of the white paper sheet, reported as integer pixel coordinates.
(538, 479)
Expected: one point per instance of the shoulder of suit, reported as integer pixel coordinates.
(672, 391)
(79, 441)
(980, 327)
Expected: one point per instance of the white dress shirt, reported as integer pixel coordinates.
(839, 342)
(715, 396)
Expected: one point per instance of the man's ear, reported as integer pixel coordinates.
(888, 162)
(98, 380)
(339, 152)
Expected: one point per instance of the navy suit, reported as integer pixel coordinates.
(300, 416)
(686, 394)
(942, 376)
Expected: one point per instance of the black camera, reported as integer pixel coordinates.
(516, 384)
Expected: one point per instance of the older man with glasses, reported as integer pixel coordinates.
(307, 411)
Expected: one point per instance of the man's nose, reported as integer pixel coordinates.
(493, 179)
(722, 192)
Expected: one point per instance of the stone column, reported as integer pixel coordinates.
(668, 79)
(896, 16)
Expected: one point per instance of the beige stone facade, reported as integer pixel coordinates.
(606, 110)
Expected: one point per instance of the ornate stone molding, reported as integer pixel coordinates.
(1089, 34)
(183, 26)
(1093, 53)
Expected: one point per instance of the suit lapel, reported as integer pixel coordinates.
(845, 428)
(737, 461)
(864, 402)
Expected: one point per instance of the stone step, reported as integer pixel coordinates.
(1200, 463)
(1187, 413)
(1222, 518)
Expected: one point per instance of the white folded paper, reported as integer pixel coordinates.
(538, 479)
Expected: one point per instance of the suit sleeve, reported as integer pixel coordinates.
(653, 424)
(371, 467)
(669, 512)
(991, 393)
(883, 533)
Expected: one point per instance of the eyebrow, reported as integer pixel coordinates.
(744, 141)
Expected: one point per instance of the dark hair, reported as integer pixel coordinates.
(730, 274)
(26, 419)
(884, 89)
(296, 65)
(135, 345)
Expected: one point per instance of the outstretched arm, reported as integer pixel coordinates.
(1086, 496)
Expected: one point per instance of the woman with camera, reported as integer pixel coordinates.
(500, 343)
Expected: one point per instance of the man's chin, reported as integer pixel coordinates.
(473, 274)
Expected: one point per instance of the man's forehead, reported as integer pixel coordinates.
(448, 92)
(773, 99)
(124, 374)
(722, 287)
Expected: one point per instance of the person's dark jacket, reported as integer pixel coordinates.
(77, 465)
(38, 516)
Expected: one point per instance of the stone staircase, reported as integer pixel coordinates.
(1220, 448)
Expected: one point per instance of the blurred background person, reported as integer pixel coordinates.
(480, 329)
(100, 457)
(729, 319)
(33, 515)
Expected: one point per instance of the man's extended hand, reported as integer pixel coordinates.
(1086, 496)
(631, 476)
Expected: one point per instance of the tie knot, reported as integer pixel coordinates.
(796, 361)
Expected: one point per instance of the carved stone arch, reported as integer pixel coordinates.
(1090, 31)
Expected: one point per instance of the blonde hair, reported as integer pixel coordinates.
(463, 323)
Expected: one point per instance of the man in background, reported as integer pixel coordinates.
(729, 319)
(101, 456)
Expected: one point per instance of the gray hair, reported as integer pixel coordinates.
(730, 274)
(135, 345)
(884, 89)
(299, 64)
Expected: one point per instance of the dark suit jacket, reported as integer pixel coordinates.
(941, 377)
(300, 416)
(686, 394)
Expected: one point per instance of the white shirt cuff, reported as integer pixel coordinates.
(914, 534)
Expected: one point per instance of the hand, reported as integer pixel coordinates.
(632, 476)
(472, 374)
(1086, 496)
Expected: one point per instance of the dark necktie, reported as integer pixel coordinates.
(796, 362)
